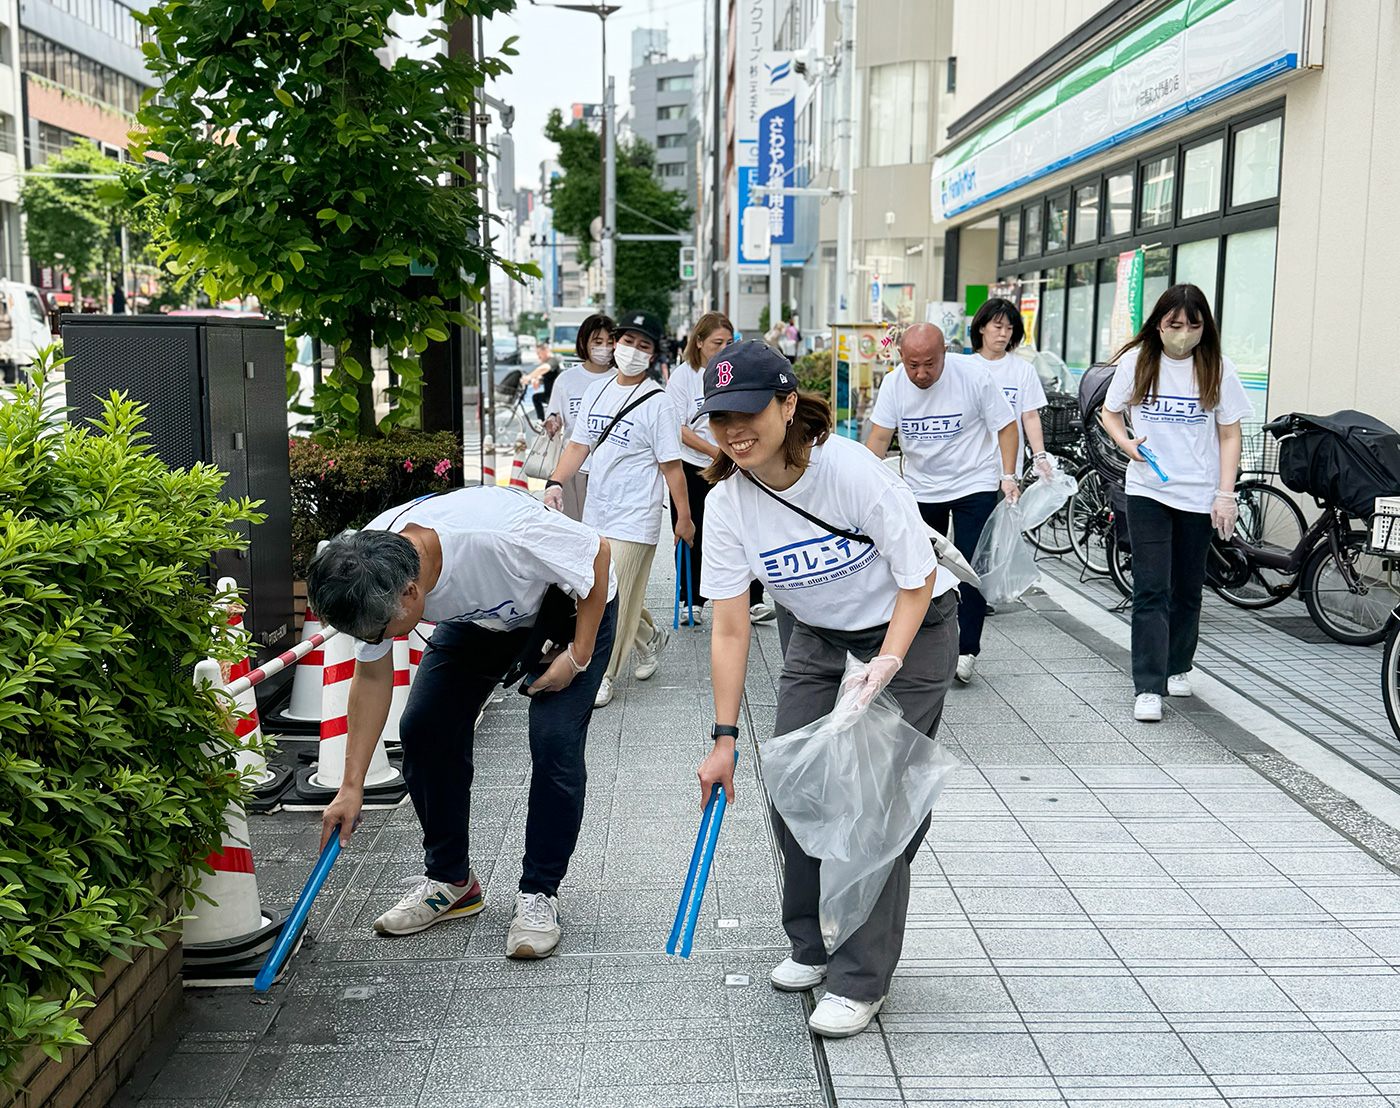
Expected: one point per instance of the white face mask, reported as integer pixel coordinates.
(631, 360)
(600, 355)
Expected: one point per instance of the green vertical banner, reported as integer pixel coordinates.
(1126, 318)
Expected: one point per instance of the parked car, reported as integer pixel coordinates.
(24, 326)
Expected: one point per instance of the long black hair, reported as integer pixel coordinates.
(1206, 360)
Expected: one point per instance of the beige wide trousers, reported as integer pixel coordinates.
(635, 627)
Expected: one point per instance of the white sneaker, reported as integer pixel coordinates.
(964, 670)
(429, 902)
(534, 929)
(605, 693)
(762, 613)
(838, 1018)
(794, 977)
(1179, 684)
(649, 656)
(1147, 708)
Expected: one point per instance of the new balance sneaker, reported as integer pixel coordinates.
(534, 929)
(1147, 708)
(966, 662)
(605, 693)
(429, 902)
(649, 656)
(795, 977)
(837, 1017)
(1179, 684)
(762, 613)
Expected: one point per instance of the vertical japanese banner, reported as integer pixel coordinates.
(1127, 299)
(777, 101)
(753, 44)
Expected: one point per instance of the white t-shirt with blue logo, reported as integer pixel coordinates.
(1184, 436)
(1020, 384)
(948, 431)
(501, 550)
(567, 395)
(823, 579)
(625, 485)
(686, 388)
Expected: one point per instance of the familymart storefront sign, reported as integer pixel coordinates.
(1190, 55)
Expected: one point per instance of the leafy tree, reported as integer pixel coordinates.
(289, 162)
(784, 312)
(530, 323)
(647, 272)
(67, 225)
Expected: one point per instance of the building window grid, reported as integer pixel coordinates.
(108, 16)
(52, 62)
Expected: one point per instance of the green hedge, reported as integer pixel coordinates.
(347, 483)
(105, 778)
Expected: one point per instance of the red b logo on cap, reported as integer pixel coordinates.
(725, 373)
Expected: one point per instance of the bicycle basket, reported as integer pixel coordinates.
(1258, 452)
(1103, 453)
(1347, 459)
(1059, 421)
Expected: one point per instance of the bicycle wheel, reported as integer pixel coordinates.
(1120, 564)
(1390, 674)
(1269, 520)
(1350, 597)
(1088, 520)
(1052, 536)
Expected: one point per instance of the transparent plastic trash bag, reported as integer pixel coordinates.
(1045, 497)
(1003, 559)
(853, 787)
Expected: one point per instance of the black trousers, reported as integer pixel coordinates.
(696, 489)
(1169, 572)
(969, 515)
(461, 668)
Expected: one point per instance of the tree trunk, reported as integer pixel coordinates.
(363, 352)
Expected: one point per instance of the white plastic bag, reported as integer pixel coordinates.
(1045, 497)
(853, 787)
(1003, 559)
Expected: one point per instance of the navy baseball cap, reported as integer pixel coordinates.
(744, 377)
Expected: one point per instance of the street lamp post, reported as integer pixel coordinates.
(608, 200)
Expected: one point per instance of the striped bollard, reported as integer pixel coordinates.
(517, 466)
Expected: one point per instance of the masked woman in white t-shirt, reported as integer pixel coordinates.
(838, 540)
(1185, 401)
(594, 346)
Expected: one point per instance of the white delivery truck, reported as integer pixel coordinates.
(24, 326)
(563, 328)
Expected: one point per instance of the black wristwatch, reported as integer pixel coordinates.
(551, 482)
(724, 729)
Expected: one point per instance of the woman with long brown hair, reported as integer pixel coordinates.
(1185, 400)
(838, 539)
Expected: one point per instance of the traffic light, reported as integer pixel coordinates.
(687, 263)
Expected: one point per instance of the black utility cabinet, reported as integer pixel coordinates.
(215, 391)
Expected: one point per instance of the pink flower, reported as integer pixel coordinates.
(408, 464)
(442, 468)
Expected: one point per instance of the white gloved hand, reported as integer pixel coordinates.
(1011, 490)
(1224, 511)
(1045, 466)
(554, 498)
(878, 673)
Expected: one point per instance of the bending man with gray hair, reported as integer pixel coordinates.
(516, 591)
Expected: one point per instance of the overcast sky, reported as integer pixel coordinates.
(558, 63)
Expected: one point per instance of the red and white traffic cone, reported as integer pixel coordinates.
(402, 676)
(318, 784)
(417, 644)
(269, 780)
(488, 462)
(227, 937)
(517, 466)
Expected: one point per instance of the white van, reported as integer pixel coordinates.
(24, 326)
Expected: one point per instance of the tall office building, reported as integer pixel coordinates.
(12, 264)
(663, 113)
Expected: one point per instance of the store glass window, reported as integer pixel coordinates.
(1197, 264)
(1201, 169)
(898, 115)
(1118, 205)
(1107, 287)
(1156, 276)
(1032, 237)
(1079, 317)
(1056, 223)
(1158, 185)
(1030, 305)
(1086, 213)
(1052, 323)
(1247, 308)
(1011, 236)
(1256, 162)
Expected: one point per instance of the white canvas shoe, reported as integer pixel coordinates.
(1147, 708)
(534, 929)
(837, 1017)
(1179, 684)
(966, 662)
(649, 656)
(762, 613)
(794, 977)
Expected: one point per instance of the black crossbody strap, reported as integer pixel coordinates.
(808, 516)
(622, 412)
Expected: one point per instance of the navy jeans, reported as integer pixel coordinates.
(969, 515)
(1169, 572)
(461, 668)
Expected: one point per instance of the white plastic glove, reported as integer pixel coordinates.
(1045, 466)
(1224, 511)
(554, 498)
(878, 673)
(1011, 490)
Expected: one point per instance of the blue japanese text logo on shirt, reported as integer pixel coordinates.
(506, 612)
(575, 403)
(931, 428)
(801, 565)
(1011, 392)
(621, 434)
(1172, 409)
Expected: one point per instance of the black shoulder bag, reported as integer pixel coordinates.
(608, 430)
(808, 516)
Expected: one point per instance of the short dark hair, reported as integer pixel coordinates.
(356, 582)
(587, 329)
(998, 307)
(810, 426)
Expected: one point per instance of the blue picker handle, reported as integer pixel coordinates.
(688, 912)
(1151, 459)
(292, 928)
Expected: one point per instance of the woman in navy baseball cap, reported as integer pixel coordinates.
(837, 539)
